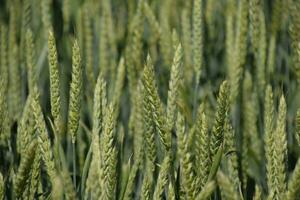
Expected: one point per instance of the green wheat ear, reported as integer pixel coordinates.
(197, 38)
(54, 80)
(30, 60)
(174, 86)
(219, 123)
(297, 131)
(162, 178)
(269, 136)
(75, 92)
(1, 186)
(24, 169)
(280, 155)
(294, 183)
(155, 104)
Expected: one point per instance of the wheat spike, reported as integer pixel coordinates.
(75, 92)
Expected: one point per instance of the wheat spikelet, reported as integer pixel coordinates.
(227, 189)
(269, 136)
(187, 182)
(46, 15)
(15, 87)
(294, 183)
(35, 174)
(2, 189)
(109, 155)
(207, 191)
(88, 41)
(197, 39)
(54, 79)
(23, 174)
(240, 49)
(258, 193)
(280, 152)
(187, 44)
(202, 149)
(154, 102)
(43, 139)
(174, 82)
(30, 60)
(75, 92)
(218, 127)
(162, 178)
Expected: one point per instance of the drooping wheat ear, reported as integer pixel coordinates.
(240, 49)
(269, 136)
(15, 87)
(258, 193)
(174, 82)
(187, 182)
(297, 128)
(2, 188)
(30, 60)
(207, 191)
(218, 127)
(262, 50)
(46, 15)
(202, 149)
(187, 44)
(227, 189)
(154, 25)
(23, 174)
(294, 183)
(75, 92)
(254, 13)
(108, 155)
(35, 174)
(162, 179)
(280, 155)
(197, 38)
(155, 104)
(88, 44)
(54, 79)
(43, 139)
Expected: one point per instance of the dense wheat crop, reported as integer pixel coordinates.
(150, 99)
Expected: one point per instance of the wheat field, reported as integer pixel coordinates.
(150, 99)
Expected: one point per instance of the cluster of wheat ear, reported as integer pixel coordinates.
(150, 99)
